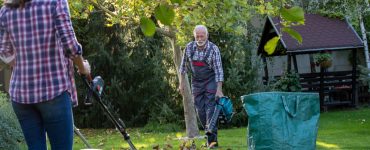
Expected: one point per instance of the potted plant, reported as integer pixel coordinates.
(323, 59)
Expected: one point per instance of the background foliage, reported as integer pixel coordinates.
(141, 82)
(10, 131)
(136, 70)
(139, 72)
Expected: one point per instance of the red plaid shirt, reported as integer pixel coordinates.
(42, 38)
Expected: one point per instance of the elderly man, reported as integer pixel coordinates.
(203, 58)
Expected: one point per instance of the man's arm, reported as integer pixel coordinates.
(217, 67)
(219, 92)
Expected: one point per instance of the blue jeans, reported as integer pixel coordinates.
(53, 117)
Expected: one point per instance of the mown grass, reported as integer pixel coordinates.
(338, 129)
(345, 129)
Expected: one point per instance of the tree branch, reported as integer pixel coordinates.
(165, 32)
(105, 9)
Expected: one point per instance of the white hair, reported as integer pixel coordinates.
(200, 27)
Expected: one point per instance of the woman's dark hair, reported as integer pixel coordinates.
(16, 3)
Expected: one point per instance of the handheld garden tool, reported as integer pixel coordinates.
(95, 89)
(223, 113)
(82, 137)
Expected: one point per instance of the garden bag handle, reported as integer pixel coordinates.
(287, 108)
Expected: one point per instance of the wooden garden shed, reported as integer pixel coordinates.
(320, 35)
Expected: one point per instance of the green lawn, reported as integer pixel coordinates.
(344, 129)
(348, 129)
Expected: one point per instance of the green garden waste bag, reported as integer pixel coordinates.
(282, 120)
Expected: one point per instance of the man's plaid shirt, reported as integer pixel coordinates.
(214, 59)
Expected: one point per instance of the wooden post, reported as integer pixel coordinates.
(295, 63)
(289, 67)
(312, 63)
(354, 82)
(265, 69)
(321, 91)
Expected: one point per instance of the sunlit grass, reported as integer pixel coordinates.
(229, 138)
(326, 145)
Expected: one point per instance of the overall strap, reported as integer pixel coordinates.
(190, 59)
(208, 53)
(192, 50)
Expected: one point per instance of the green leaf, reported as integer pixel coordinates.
(271, 45)
(165, 14)
(78, 5)
(293, 33)
(294, 14)
(90, 7)
(269, 6)
(176, 1)
(147, 26)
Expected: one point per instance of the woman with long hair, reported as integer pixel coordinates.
(39, 38)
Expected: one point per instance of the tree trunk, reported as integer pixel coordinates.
(364, 39)
(192, 129)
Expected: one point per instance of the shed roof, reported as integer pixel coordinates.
(318, 33)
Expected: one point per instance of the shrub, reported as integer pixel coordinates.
(135, 70)
(161, 128)
(364, 78)
(163, 119)
(10, 132)
(240, 119)
(289, 82)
